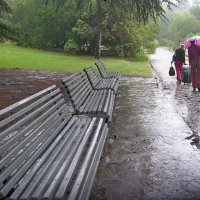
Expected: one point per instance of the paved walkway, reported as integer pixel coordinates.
(146, 154)
(184, 100)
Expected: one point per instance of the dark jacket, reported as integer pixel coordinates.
(179, 55)
(193, 52)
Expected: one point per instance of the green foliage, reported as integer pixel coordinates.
(180, 26)
(195, 11)
(6, 31)
(71, 47)
(133, 39)
(143, 10)
(4, 7)
(40, 26)
(122, 26)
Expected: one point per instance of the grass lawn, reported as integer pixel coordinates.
(12, 56)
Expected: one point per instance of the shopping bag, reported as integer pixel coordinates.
(171, 71)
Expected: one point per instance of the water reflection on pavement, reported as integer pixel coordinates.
(146, 154)
(185, 101)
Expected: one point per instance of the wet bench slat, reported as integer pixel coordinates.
(98, 83)
(103, 71)
(47, 152)
(86, 100)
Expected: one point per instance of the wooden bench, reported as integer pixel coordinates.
(97, 82)
(86, 100)
(103, 71)
(46, 152)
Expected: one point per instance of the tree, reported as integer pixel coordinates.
(180, 26)
(5, 29)
(195, 11)
(140, 10)
(196, 2)
(4, 7)
(41, 26)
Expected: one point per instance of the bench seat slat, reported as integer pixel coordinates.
(30, 126)
(89, 177)
(103, 96)
(32, 134)
(62, 190)
(73, 164)
(27, 117)
(86, 162)
(61, 164)
(36, 176)
(29, 149)
(105, 108)
(28, 163)
(110, 109)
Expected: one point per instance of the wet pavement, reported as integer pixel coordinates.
(146, 155)
(185, 101)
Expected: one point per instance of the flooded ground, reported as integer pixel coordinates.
(146, 155)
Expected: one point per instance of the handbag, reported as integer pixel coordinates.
(171, 71)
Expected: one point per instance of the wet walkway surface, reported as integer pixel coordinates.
(185, 101)
(146, 155)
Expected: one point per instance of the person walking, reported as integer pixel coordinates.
(194, 61)
(179, 59)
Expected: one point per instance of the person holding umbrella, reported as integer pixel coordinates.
(179, 59)
(194, 61)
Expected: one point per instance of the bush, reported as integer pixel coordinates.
(71, 46)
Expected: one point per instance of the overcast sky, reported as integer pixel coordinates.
(190, 2)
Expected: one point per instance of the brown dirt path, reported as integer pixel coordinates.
(17, 84)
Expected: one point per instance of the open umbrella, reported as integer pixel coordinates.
(196, 38)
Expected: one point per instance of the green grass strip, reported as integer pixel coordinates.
(12, 56)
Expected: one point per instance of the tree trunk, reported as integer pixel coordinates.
(98, 43)
(99, 32)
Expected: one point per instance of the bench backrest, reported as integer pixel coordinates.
(93, 76)
(102, 69)
(78, 88)
(26, 129)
